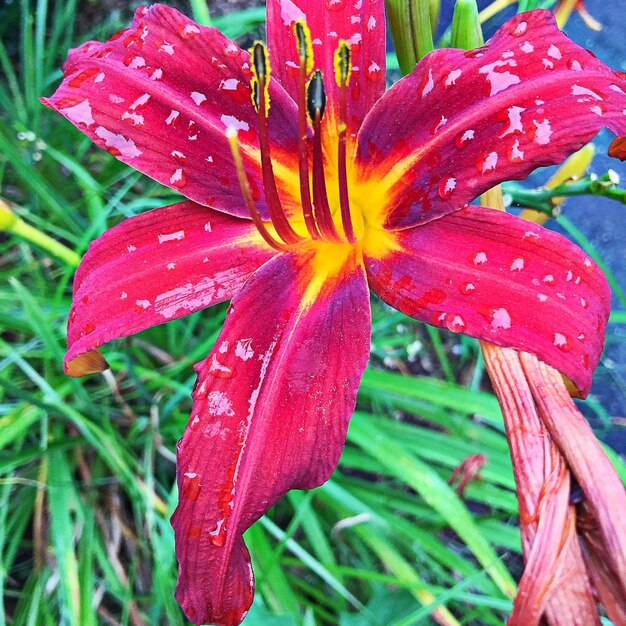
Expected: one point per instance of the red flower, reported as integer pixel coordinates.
(392, 174)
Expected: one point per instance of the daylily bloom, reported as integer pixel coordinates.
(305, 183)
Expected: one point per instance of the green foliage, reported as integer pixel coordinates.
(87, 475)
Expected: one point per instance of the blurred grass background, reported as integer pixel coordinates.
(87, 473)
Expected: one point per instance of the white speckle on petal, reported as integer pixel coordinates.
(517, 265)
(177, 236)
(480, 259)
(577, 90)
(543, 132)
(243, 349)
(197, 97)
(554, 52)
(430, 84)
(177, 176)
(442, 122)
(139, 102)
(516, 153)
(80, 114)
(219, 404)
(290, 13)
(500, 80)
(491, 160)
(501, 319)
(371, 23)
(452, 78)
(232, 122)
(559, 340)
(168, 48)
(527, 47)
(515, 121)
(135, 118)
(172, 117)
(144, 304)
(125, 147)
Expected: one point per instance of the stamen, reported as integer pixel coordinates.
(316, 105)
(305, 54)
(343, 69)
(261, 100)
(231, 135)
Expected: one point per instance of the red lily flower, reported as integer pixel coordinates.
(345, 185)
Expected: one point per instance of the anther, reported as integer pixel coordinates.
(343, 69)
(231, 135)
(305, 55)
(316, 105)
(260, 93)
(304, 46)
(343, 64)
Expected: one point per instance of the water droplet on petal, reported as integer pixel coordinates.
(455, 323)
(189, 31)
(83, 77)
(191, 486)
(236, 90)
(232, 50)
(178, 179)
(463, 138)
(374, 72)
(560, 341)
(335, 5)
(519, 29)
(446, 188)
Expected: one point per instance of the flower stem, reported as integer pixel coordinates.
(411, 31)
(11, 223)
(542, 199)
(200, 12)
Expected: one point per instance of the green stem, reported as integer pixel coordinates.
(47, 243)
(542, 199)
(466, 30)
(200, 12)
(410, 26)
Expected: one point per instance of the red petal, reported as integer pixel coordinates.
(271, 409)
(465, 121)
(160, 95)
(155, 267)
(501, 279)
(361, 24)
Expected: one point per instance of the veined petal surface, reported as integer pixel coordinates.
(158, 266)
(361, 23)
(271, 408)
(496, 277)
(160, 95)
(464, 121)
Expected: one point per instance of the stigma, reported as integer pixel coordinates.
(319, 220)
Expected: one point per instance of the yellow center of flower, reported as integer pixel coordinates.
(334, 217)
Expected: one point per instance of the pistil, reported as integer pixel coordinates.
(343, 70)
(261, 102)
(316, 104)
(231, 135)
